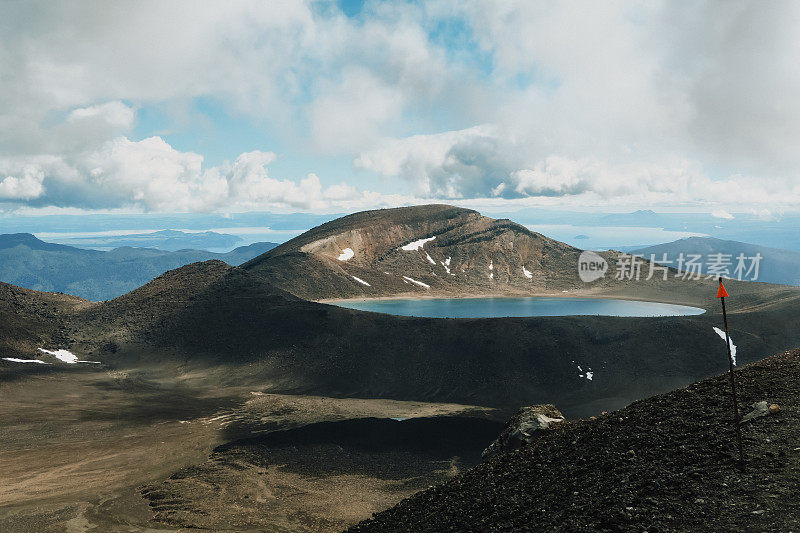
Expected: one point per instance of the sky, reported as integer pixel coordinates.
(330, 107)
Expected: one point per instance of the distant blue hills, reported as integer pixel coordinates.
(29, 262)
(171, 240)
(776, 265)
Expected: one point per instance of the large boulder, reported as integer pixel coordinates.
(523, 428)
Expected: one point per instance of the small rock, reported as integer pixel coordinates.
(759, 409)
(774, 408)
(523, 427)
(760, 511)
(699, 500)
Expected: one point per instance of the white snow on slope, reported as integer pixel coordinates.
(417, 282)
(361, 281)
(67, 356)
(733, 346)
(62, 355)
(446, 265)
(15, 360)
(527, 272)
(346, 254)
(416, 245)
(491, 270)
(589, 375)
(430, 259)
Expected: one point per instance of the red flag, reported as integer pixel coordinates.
(721, 292)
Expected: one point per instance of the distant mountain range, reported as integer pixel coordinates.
(171, 240)
(28, 262)
(776, 266)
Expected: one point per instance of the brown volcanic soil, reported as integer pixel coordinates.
(319, 477)
(456, 262)
(80, 443)
(666, 463)
(28, 317)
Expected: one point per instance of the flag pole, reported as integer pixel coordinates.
(721, 294)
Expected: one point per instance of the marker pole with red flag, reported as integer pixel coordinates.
(721, 294)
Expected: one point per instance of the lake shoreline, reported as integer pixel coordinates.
(505, 306)
(442, 296)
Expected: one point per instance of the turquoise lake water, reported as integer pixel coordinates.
(518, 307)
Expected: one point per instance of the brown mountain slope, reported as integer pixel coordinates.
(29, 318)
(431, 249)
(661, 464)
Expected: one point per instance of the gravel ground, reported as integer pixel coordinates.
(667, 463)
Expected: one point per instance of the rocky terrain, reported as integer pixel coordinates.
(667, 463)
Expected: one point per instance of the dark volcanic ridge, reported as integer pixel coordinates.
(667, 463)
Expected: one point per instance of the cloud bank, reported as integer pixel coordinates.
(570, 103)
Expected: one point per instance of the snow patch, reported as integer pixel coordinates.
(361, 281)
(62, 355)
(416, 245)
(15, 360)
(430, 259)
(491, 269)
(527, 272)
(346, 254)
(407, 279)
(67, 356)
(446, 265)
(733, 346)
(588, 374)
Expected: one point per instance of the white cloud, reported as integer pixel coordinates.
(574, 102)
(151, 175)
(350, 116)
(115, 114)
(721, 213)
(28, 186)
